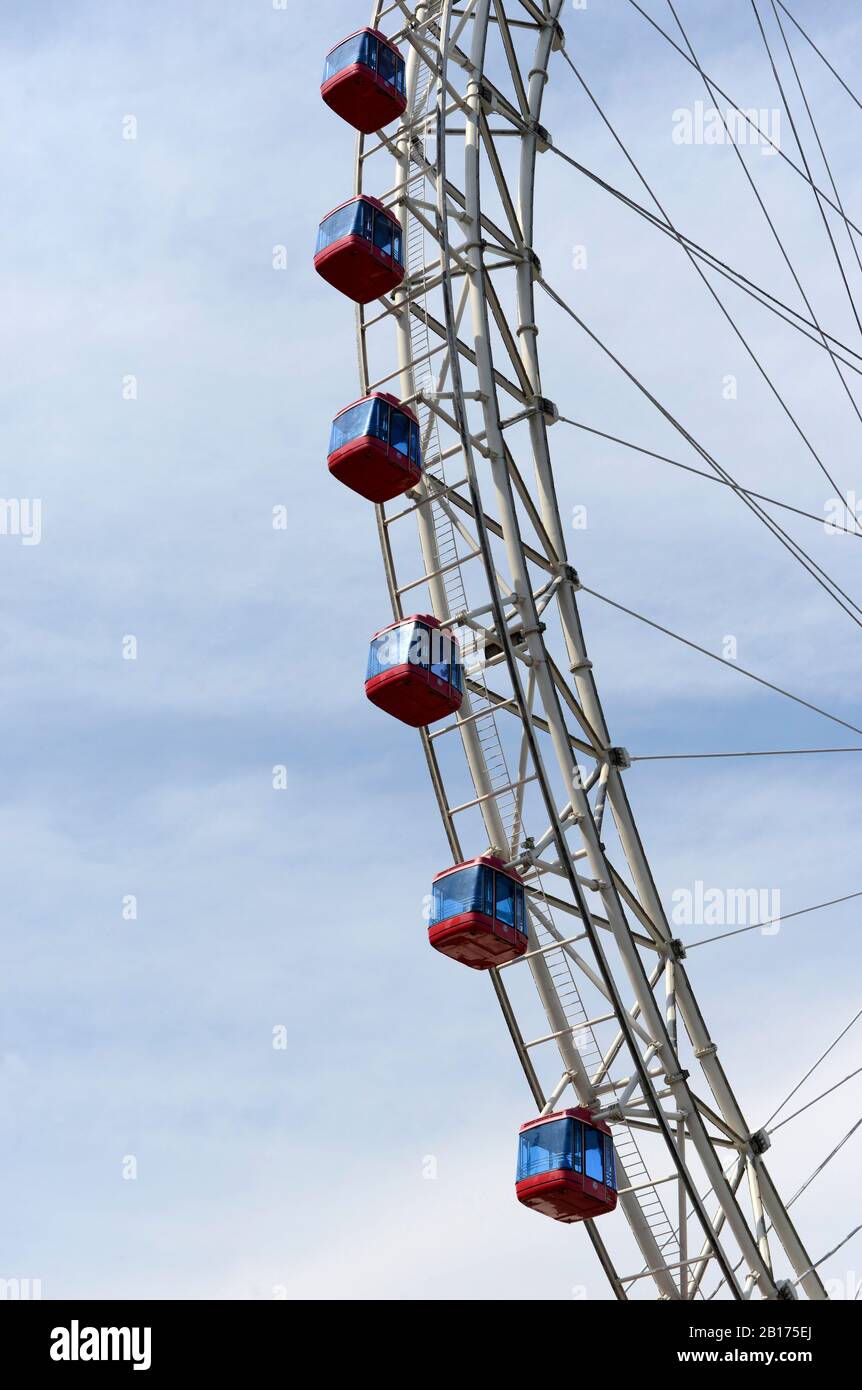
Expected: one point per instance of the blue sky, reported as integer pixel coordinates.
(300, 1170)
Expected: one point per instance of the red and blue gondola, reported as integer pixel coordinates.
(566, 1166)
(363, 81)
(478, 913)
(374, 447)
(415, 671)
(360, 249)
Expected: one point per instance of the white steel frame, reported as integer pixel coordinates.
(465, 332)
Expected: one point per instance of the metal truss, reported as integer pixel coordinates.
(602, 1004)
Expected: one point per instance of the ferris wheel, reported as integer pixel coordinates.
(636, 1134)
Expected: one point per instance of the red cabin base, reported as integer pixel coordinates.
(358, 269)
(566, 1196)
(415, 696)
(477, 940)
(362, 99)
(373, 469)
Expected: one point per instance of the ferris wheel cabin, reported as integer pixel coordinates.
(415, 671)
(363, 81)
(360, 249)
(374, 447)
(566, 1166)
(478, 913)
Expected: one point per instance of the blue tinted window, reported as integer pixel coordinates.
(380, 420)
(546, 1148)
(504, 909)
(362, 48)
(595, 1154)
(420, 646)
(390, 649)
(610, 1164)
(344, 56)
(399, 435)
(521, 912)
(456, 672)
(337, 225)
(386, 68)
(414, 443)
(351, 424)
(399, 76)
(444, 656)
(465, 891)
(383, 233)
(488, 896)
(397, 248)
(352, 220)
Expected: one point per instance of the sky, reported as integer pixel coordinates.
(169, 913)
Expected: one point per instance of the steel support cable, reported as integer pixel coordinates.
(760, 753)
(804, 159)
(831, 587)
(817, 1263)
(821, 1166)
(820, 55)
(808, 1181)
(756, 926)
(828, 1159)
(833, 1251)
(724, 661)
(823, 1094)
(710, 477)
(774, 230)
(822, 1058)
(682, 53)
(713, 292)
(853, 247)
(750, 287)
